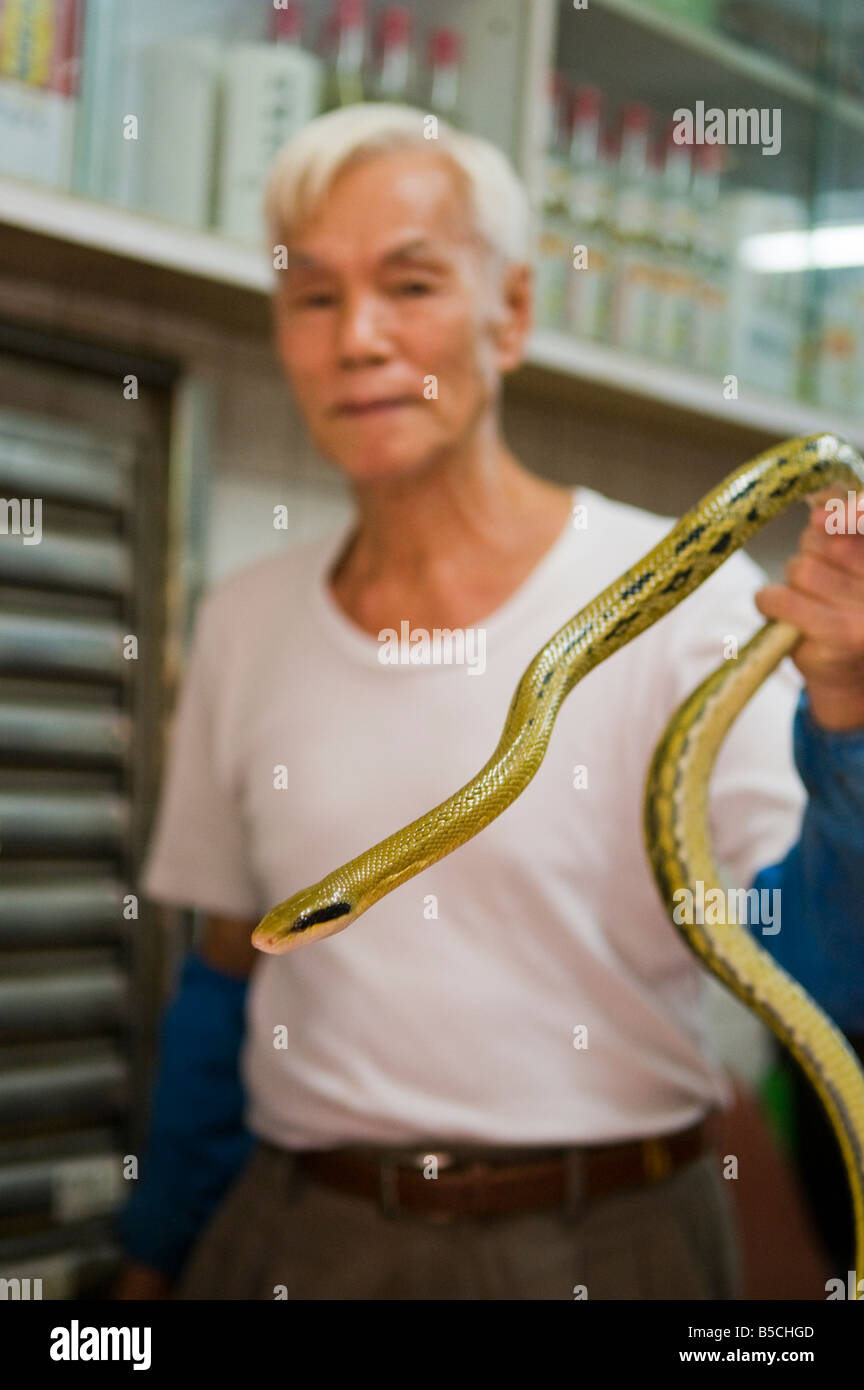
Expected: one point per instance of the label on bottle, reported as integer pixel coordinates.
(635, 301)
(587, 196)
(711, 325)
(590, 288)
(675, 315)
(554, 266)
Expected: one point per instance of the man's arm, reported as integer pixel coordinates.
(197, 1142)
(821, 941)
(821, 880)
(226, 945)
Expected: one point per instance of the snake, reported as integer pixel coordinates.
(677, 836)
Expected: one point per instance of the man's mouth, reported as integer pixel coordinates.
(378, 407)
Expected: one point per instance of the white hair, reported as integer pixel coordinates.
(307, 165)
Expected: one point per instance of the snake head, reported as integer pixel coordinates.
(309, 915)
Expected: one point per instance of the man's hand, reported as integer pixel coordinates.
(823, 596)
(140, 1281)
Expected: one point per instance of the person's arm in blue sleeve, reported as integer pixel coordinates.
(821, 880)
(197, 1141)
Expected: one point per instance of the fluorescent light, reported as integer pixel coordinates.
(825, 248)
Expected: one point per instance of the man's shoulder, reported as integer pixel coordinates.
(248, 596)
(628, 530)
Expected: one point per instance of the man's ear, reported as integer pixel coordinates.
(515, 316)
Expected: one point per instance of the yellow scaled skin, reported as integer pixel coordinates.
(676, 824)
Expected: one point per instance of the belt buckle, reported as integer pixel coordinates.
(656, 1160)
(388, 1185)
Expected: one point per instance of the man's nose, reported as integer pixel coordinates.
(362, 329)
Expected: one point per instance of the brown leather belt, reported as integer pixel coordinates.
(491, 1182)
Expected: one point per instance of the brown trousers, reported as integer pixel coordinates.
(280, 1233)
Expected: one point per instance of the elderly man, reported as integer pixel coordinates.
(496, 1085)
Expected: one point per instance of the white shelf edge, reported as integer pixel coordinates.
(685, 390)
(123, 232)
(733, 54)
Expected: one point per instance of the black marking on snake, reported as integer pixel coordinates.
(321, 914)
(621, 626)
(638, 585)
(693, 536)
(753, 514)
(548, 676)
(677, 581)
(745, 491)
(782, 488)
(578, 638)
(721, 544)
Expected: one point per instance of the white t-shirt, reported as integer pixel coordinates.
(406, 1026)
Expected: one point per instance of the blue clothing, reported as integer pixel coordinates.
(821, 940)
(198, 1143)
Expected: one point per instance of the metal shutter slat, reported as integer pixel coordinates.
(75, 1002)
(62, 731)
(46, 468)
(60, 646)
(67, 562)
(52, 821)
(67, 912)
(95, 1089)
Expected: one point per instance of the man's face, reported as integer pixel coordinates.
(390, 321)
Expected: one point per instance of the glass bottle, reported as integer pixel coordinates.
(445, 57)
(555, 240)
(590, 276)
(635, 246)
(346, 48)
(393, 72)
(288, 23)
(678, 280)
(711, 335)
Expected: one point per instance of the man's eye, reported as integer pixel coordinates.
(413, 288)
(318, 300)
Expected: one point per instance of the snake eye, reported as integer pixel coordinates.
(321, 914)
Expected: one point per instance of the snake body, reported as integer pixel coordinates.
(676, 797)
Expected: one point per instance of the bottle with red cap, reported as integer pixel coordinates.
(345, 53)
(393, 72)
(636, 246)
(555, 169)
(590, 277)
(269, 92)
(711, 338)
(554, 253)
(677, 280)
(443, 89)
(288, 23)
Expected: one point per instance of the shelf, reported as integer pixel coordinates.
(119, 231)
(737, 57)
(194, 262)
(620, 374)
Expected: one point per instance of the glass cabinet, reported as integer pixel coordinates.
(701, 190)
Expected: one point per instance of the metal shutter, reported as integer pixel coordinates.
(79, 736)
